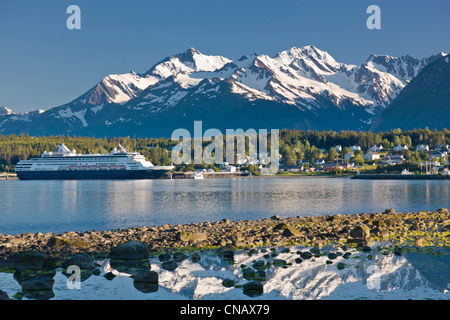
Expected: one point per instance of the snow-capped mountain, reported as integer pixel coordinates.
(425, 101)
(304, 88)
(5, 111)
(404, 68)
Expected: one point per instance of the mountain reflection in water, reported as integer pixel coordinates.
(382, 273)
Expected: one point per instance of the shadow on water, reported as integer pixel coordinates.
(434, 265)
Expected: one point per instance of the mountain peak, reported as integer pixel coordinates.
(5, 111)
(193, 50)
(306, 52)
(188, 55)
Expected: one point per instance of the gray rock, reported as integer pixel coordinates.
(291, 232)
(306, 255)
(179, 256)
(340, 266)
(83, 261)
(195, 257)
(360, 232)
(146, 277)
(226, 253)
(38, 283)
(228, 283)
(164, 257)
(259, 264)
(169, 265)
(332, 256)
(3, 295)
(30, 260)
(130, 250)
(253, 289)
(248, 273)
(191, 236)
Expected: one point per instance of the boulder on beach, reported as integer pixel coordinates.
(146, 281)
(253, 288)
(81, 260)
(29, 260)
(3, 295)
(59, 242)
(291, 232)
(226, 253)
(146, 277)
(38, 283)
(33, 260)
(169, 265)
(130, 250)
(191, 236)
(360, 232)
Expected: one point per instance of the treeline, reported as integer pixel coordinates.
(298, 145)
(294, 144)
(13, 148)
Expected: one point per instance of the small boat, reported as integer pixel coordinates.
(406, 171)
(197, 176)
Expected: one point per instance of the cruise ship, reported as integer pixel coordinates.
(66, 164)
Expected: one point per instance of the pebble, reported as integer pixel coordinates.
(314, 230)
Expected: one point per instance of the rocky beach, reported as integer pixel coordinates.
(30, 256)
(412, 228)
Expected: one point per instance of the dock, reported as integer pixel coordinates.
(9, 176)
(206, 175)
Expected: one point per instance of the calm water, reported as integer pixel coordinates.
(375, 275)
(60, 206)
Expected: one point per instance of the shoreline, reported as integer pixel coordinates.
(423, 228)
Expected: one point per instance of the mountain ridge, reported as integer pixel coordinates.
(301, 88)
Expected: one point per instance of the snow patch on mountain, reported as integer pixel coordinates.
(68, 113)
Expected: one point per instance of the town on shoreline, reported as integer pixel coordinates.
(303, 153)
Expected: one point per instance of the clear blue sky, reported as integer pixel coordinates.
(43, 64)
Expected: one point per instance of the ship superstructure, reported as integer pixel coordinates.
(67, 164)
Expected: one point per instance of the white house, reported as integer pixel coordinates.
(354, 148)
(229, 168)
(375, 148)
(338, 148)
(370, 156)
(319, 162)
(422, 147)
(400, 148)
(349, 155)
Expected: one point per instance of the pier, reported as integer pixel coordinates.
(206, 175)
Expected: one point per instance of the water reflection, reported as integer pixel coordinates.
(379, 273)
(60, 206)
